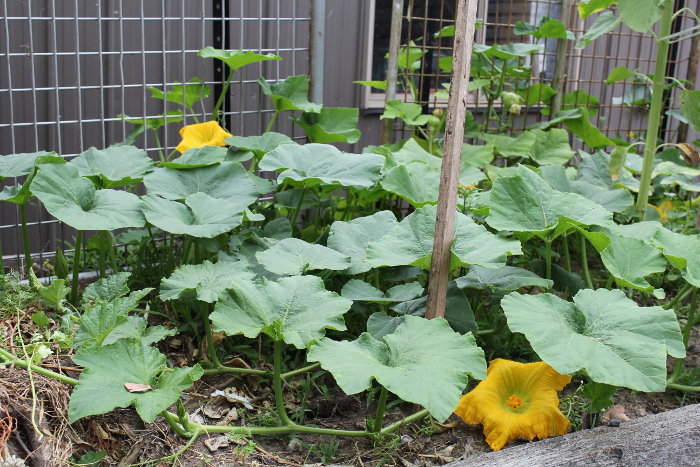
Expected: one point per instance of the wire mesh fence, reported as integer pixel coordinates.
(618, 109)
(71, 72)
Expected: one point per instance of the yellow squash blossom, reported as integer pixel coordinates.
(202, 134)
(516, 399)
(663, 209)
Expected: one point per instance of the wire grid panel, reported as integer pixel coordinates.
(615, 108)
(70, 70)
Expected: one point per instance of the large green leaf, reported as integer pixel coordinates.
(619, 73)
(415, 182)
(603, 24)
(331, 125)
(18, 165)
(141, 125)
(322, 163)
(408, 112)
(358, 290)
(413, 174)
(629, 260)
(527, 203)
(683, 181)
(577, 99)
(106, 322)
(75, 200)
(411, 152)
(508, 51)
(512, 147)
(293, 256)
(294, 309)
(420, 356)
(477, 156)
(114, 166)
(505, 279)
(351, 238)
(259, 145)
(108, 288)
(201, 216)
(690, 107)
(588, 7)
(458, 313)
(612, 199)
(584, 129)
(595, 169)
(236, 59)
(187, 94)
(207, 280)
(198, 157)
(551, 147)
(616, 341)
(639, 15)
(101, 385)
(681, 251)
(546, 29)
(559, 117)
(290, 94)
(411, 243)
(228, 180)
(20, 194)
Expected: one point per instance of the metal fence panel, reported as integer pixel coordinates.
(70, 68)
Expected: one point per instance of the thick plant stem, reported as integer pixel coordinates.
(293, 220)
(174, 423)
(381, 406)
(405, 421)
(277, 382)
(209, 335)
(584, 262)
(679, 296)
(173, 419)
(241, 371)
(269, 430)
(656, 108)
(299, 371)
(25, 240)
(691, 318)
(220, 101)
(10, 359)
(682, 387)
(272, 121)
(548, 259)
(685, 333)
(76, 267)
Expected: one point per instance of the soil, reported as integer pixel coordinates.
(127, 440)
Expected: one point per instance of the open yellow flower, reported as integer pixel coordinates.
(516, 399)
(663, 209)
(202, 134)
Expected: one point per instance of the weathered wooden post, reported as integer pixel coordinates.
(449, 174)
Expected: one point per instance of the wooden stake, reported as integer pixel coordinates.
(449, 174)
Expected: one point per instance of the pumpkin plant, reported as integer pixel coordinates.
(332, 266)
